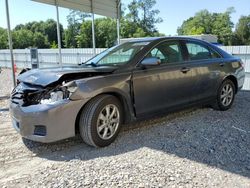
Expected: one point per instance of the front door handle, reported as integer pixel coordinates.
(185, 70)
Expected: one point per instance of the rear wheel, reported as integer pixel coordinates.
(100, 121)
(225, 95)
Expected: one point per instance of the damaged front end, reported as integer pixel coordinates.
(59, 93)
(26, 94)
(48, 86)
(44, 114)
(45, 103)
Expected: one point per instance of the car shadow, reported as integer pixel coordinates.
(215, 138)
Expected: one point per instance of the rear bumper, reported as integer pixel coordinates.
(46, 123)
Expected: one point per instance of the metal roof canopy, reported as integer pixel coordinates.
(109, 8)
(101, 7)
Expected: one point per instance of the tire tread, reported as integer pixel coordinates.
(86, 118)
(88, 115)
(217, 105)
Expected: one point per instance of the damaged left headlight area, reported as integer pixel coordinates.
(57, 94)
(26, 94)
(54, 95)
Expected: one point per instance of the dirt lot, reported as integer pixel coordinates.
(192, 148)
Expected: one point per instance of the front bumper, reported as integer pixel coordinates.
(46, 123)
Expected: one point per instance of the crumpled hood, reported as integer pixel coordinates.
(47, 76)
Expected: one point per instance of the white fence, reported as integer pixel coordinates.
(47, 57)
(50, 57)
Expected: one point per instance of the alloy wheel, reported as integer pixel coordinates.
(226, 96)
(108, 121)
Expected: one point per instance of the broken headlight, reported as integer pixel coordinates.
(58, 94)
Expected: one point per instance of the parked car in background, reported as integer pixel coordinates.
(125, 83)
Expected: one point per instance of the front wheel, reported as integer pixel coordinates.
(100, 120)
(225, 96)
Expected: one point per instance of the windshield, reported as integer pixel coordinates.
(117, 55)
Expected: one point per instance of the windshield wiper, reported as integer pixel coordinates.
(93, 64)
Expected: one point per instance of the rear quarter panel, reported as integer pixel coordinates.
(234, 68)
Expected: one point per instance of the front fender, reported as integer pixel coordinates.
(119, 85)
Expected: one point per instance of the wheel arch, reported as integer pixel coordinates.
(234, 80)
(126, 104)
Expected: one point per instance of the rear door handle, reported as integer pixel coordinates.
(185, 70)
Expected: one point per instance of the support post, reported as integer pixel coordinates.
(93, 27)
(58, 35)
(10, 43)
(118, 20)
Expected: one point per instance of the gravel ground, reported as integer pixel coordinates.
(192, 148)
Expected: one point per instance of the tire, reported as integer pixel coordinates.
(97, 113)
(221, 103)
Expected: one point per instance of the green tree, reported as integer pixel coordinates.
(75, 18)
(199, 24)
(106, 34)
(138, 22)
(53, 45)
(222, 26)
(143, 16)
(242, 31)
(22, 38)
(50, 29)
(40, 40)
(70, 37)
(19, 27)
(131, 25)
(139, 33)
(133, 14)
(204, 22)
(32, 26)
(128, 28)
(149, 16)
(3, 38)
(38, 27)
(84, 39)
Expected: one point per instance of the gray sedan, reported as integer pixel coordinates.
(129, 82)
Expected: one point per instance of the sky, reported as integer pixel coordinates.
(173, 12)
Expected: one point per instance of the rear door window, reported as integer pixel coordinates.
(198, 51)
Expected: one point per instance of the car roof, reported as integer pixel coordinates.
(151, 39)
(159, 39)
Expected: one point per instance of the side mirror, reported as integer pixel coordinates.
(151, 61)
